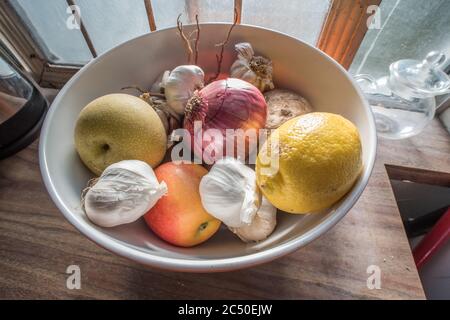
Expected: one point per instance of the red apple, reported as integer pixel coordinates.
(179, 217)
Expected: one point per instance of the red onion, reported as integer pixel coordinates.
(221, 105)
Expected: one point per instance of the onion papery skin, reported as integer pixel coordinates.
(224, 104)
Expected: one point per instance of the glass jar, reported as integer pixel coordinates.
(22, 109)
(403, 102)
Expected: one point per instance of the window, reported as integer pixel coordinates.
(407, 29)
(46, 21)
(40, 32)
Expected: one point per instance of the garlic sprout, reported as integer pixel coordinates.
(230, 194)
(122, 194)
(256, 70)
(181, 84)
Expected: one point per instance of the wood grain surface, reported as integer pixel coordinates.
(37, 245)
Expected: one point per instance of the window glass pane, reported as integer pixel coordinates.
(216, 11)
(166, 12)
(301, 19)
(47, 23)
(409, 30)
(111, 22)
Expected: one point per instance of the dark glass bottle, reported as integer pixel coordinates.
(22, 109)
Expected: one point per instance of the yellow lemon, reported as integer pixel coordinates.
(309, 162)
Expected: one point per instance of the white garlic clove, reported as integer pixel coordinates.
(256, 70)
(122, 194)
(229, 192)
(181, 84)
(262, 225)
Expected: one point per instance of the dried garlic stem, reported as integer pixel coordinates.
(186, 41)
(142, 91)
(197, 39)
(219, 58)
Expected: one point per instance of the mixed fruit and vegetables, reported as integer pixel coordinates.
(126, 142)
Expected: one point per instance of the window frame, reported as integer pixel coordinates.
(342, 33)
(21, 44)
(344, 29)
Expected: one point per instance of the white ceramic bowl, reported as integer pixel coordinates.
(297, 66)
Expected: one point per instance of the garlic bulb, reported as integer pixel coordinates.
(254, 69)
(122, 194)
(262, 225)
(181, 84)
(229, 192)
(169, 118)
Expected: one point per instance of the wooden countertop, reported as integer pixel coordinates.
(37, 245)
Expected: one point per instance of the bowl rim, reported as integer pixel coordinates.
(211, 265)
